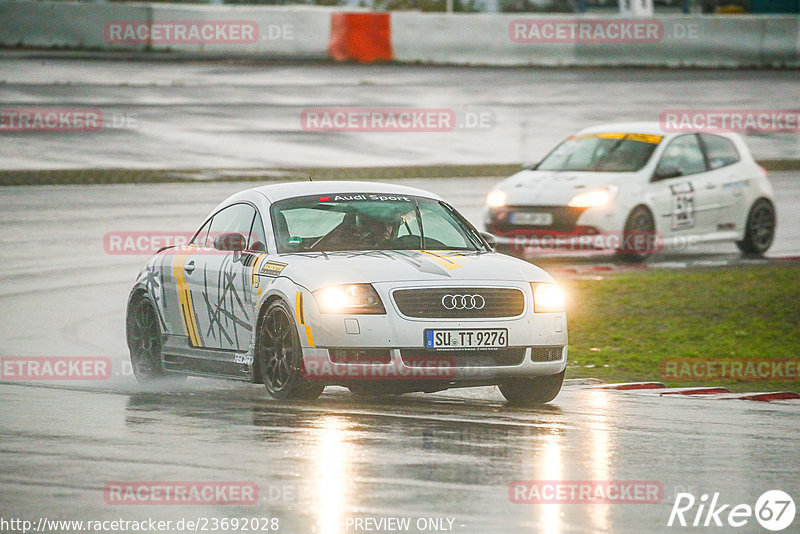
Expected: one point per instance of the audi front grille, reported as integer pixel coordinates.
(460, 302)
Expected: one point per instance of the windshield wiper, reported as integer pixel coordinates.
(419, 222)
(472, 233)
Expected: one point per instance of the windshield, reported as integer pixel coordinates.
(603, 152)
(369, 221)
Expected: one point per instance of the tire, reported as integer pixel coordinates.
(760, 228)
(280, 356)
(143, 333)
(639, 222)
(532, 391)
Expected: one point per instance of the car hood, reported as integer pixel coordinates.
(317, 270)
(556, 188)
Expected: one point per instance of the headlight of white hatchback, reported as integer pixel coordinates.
(496, 199)
(593, 198)
(349, 298)
(547, 297)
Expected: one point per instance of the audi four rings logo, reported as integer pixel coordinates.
(463, 302)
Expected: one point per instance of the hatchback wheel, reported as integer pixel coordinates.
(637, 237)
(760, 228)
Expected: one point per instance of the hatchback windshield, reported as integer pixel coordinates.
(366, 221)
(603, 152)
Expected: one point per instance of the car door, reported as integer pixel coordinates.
(678, 188)
(240, 275)
(218, 284)
(178, 302)
(724, 182)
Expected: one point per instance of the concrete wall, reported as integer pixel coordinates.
(283, 32)
(62, 24)
(294, 32)
(466, 39)
(708, 41)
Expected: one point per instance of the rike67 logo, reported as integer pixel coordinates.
(774, 510)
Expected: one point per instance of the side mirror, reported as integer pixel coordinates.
(531, 167)
(663, 173)
(490, 240)
(233, 241)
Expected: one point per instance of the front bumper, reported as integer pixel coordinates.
(392, 346)
(577, 229)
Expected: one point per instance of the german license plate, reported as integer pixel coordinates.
(531, 218)
(491, 338)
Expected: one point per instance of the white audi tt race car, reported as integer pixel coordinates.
(379, 288)
(635, 189)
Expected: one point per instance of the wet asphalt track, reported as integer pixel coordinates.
(447, 455)
(437, 456)
(195, 114)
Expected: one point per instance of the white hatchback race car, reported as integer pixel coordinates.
(379, 288)
(635, 189)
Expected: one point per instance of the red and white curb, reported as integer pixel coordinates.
(630, 385)
(705, 392)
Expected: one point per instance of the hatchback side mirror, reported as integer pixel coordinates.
(663, 173)
(233, 241)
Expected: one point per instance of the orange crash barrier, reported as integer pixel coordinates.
(363, 37)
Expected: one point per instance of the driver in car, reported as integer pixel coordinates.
(359, 231)
(375, 233)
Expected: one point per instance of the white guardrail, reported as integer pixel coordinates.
(461, 39)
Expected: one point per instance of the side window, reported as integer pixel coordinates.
(684, 155)
(235, 218)
(258, 238)
(201, 235)
(720, 150)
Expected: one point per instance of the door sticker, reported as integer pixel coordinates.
(682, 205)
(272, 268)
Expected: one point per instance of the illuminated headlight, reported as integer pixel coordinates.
(350, 298)
(547, 298)
(593, 198)
(496, 199)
